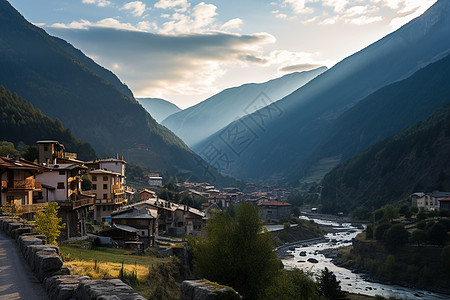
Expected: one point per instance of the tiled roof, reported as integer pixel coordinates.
(18, 164)
(274, 203)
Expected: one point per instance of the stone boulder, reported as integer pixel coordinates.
(112, 289)
(206, 290)
(63, 287)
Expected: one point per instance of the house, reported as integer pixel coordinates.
(155, 180)
(174, 219)
(51, 151)
(146, 194)
(109, 193)
(275, 210)
(444, 204)
(18, 182)
(429, 201)
(122, 233)
(115, 165)
(61, 183)
(140, 219)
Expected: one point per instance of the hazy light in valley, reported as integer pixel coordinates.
(185, 51)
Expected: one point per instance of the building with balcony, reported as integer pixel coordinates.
(52, 152)
(62, 183)
(18, 181)
(109, 193)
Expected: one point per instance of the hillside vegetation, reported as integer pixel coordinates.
(21, 122)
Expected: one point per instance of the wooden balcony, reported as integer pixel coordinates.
(27, 184)
(82, 202)
(23, 209)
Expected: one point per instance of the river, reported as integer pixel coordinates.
(342, 235)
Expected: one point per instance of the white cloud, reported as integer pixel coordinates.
(199, 19)
(99, 3)
(299, 6)
(178, 5)
(137, 8)
(104, 23)
(232, 24)
(281, 16)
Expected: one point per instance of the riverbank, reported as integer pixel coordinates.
(413, 267)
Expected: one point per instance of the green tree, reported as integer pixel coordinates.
(437, 234)
(31, 153)
(48, 223)
(418, 236)
(290, 285)
(86, 183)
(380, 230)
(390, 212)
(236, 252)
(7, 148)
(396, 236)
(390, 266)
(445, 257)
(329, 286)
(296, 211)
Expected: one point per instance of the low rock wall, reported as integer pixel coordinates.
(45, 262)
(206, 290)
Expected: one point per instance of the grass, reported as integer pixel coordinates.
(151, 276)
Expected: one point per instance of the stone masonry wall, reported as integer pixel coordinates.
(48, 267)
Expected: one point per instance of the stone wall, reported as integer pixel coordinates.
(48, 267)
(206, 290)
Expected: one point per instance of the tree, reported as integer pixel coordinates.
(236, 252)
(396, 236)
(292, 284)
(7, 148)
(329, 286)
(48, 223)
(31, 153)
(418, 236)
(380, 230)
(86, 183)
(437, 234)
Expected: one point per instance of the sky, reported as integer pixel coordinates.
(186, 51)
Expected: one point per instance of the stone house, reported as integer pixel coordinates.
(140, 219)
(428, 201)
(275, 210)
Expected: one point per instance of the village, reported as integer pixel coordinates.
(94, 194)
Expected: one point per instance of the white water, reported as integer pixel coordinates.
(350, 282)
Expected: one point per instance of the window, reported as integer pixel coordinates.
(45, 148)
(105, 178)
(143, 232)
(104, 208)
(94, 178)
(61, 172)
(105, 196)
(105, 186)
(60, 186)
(94, 186)
(9, 199)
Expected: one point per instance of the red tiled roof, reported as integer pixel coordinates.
(275, 203)
(445, 200)
(18, 164)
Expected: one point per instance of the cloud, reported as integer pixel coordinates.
(299, 68)
(99, 3)
(104, 23)
(299, 6)
(159, 65)
(196, 20)
(137, 8)
(178, 5)
(232, 24)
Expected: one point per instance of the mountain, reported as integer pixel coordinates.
(198, 122)
(284, 134)
(21, 122)
(159, 109)
(414, 160)
(385, 113)
(91, 101)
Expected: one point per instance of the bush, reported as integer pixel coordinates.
(396, 236)
(437, 234)
(286, 225)
(380, 230)
(418, 236)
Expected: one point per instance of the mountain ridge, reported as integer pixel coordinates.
(216, 112)
(158, 108)
(309, 113)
